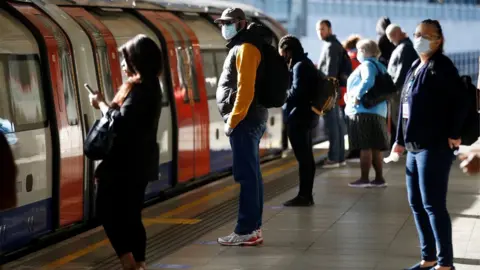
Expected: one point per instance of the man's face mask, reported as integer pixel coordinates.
(229, 31)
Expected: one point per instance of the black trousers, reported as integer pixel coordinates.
(119, 208)
(300, 136)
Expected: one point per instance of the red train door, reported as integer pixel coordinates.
(69, 188)
(200, 104)
(191, 136)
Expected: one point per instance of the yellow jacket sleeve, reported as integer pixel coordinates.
(247, 61)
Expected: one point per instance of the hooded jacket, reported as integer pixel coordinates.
(240, 80)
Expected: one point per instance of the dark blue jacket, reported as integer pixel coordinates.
(437, 105)
(304, 79)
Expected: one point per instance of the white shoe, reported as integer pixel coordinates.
(239, 240)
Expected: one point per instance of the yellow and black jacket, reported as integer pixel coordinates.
(240, 80)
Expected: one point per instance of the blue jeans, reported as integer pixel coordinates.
(427, 185)
(245, 140)
(335, 124)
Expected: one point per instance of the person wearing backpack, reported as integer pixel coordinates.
(245, 121)
(300, 117)
(334, 62)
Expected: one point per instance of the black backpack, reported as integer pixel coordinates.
(471, 127)
(326, 94)
(382, 90)
(276, 78)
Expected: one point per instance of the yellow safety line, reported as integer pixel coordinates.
(149, 221)
(164, 216)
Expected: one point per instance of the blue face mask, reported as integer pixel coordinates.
(421, 45)
(360, 57)
(229, 31)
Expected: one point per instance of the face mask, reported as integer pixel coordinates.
(229, 31)
(360, 57)
(421, 45)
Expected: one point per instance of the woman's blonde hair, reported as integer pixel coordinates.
(368, 47)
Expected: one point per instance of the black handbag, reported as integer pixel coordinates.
(99, 139)
(382, 90)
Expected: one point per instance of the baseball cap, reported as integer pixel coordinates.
(231, 14)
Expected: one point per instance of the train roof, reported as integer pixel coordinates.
(211, 6)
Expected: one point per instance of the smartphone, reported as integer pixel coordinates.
(90, 90)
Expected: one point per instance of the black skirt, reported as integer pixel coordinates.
(368, 131)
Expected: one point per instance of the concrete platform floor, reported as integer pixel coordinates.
(348, 228)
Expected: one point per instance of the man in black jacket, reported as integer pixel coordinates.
(400, 62)
(300, 117)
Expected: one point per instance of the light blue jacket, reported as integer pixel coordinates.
(359, 82)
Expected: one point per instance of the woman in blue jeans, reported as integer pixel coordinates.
(430, 121)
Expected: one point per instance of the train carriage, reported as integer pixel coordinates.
(50, 48)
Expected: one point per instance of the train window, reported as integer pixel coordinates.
(208, 34)
(124, 27)
(104, 70)
(21, 93)
(66, 67)
(210, 73)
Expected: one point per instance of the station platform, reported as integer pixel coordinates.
(347, 228)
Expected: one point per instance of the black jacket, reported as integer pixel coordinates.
(304, 79)
(135, 152)
(386, 47)
(437, 105)
(400, 62)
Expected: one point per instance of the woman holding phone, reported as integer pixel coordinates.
(134, 157)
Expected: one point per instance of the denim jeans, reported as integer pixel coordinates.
(335, 124)
(245, 141)
(427, 185)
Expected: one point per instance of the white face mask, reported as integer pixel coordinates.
(360, 57)
(229, 31)
(421, 45)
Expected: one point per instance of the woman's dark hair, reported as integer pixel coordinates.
(292, 44)
(439, 30)
(144, 59)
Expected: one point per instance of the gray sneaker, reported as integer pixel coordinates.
(360, 183)
(234, 239)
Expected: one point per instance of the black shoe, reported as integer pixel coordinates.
(417, 267)
(299, 201)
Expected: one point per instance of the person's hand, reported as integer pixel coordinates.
(228, 130)
(398, 149)
(470, 164)
(96, 99)
(452, 143)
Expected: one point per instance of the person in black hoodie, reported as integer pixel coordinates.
(432, 114)
(300, 117)
(133, 160)
(386, 47)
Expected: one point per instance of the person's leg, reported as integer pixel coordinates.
(260, 180)
(138, 235)
(342, 130)
(331, 123)
(365, 165)
(434, 169)
(301, 140)
(245, 144)
(377, 162)
(414, 181)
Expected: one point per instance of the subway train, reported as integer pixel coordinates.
(50, 48)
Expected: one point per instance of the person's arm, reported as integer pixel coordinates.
(367, 73)
(457, 101)
(247, 61)
(126, 117)
(334, 55)
(397, 69)
(300, 83)
(399, 139)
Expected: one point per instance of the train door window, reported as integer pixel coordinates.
(209, 36)
(188, 60)
(210, 73)
(22, 95)
(104, 70)
(125, 26)
(66, 67)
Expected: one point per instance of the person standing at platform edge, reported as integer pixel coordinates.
(330, 64)
(300, 117)
(432, 113)
(400, 62)
(134, 157)
(245, 122)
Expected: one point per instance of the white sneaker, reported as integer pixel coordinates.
(330, 164)
(259, 235)
(239, 240)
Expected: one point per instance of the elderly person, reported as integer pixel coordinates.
(367, 127)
